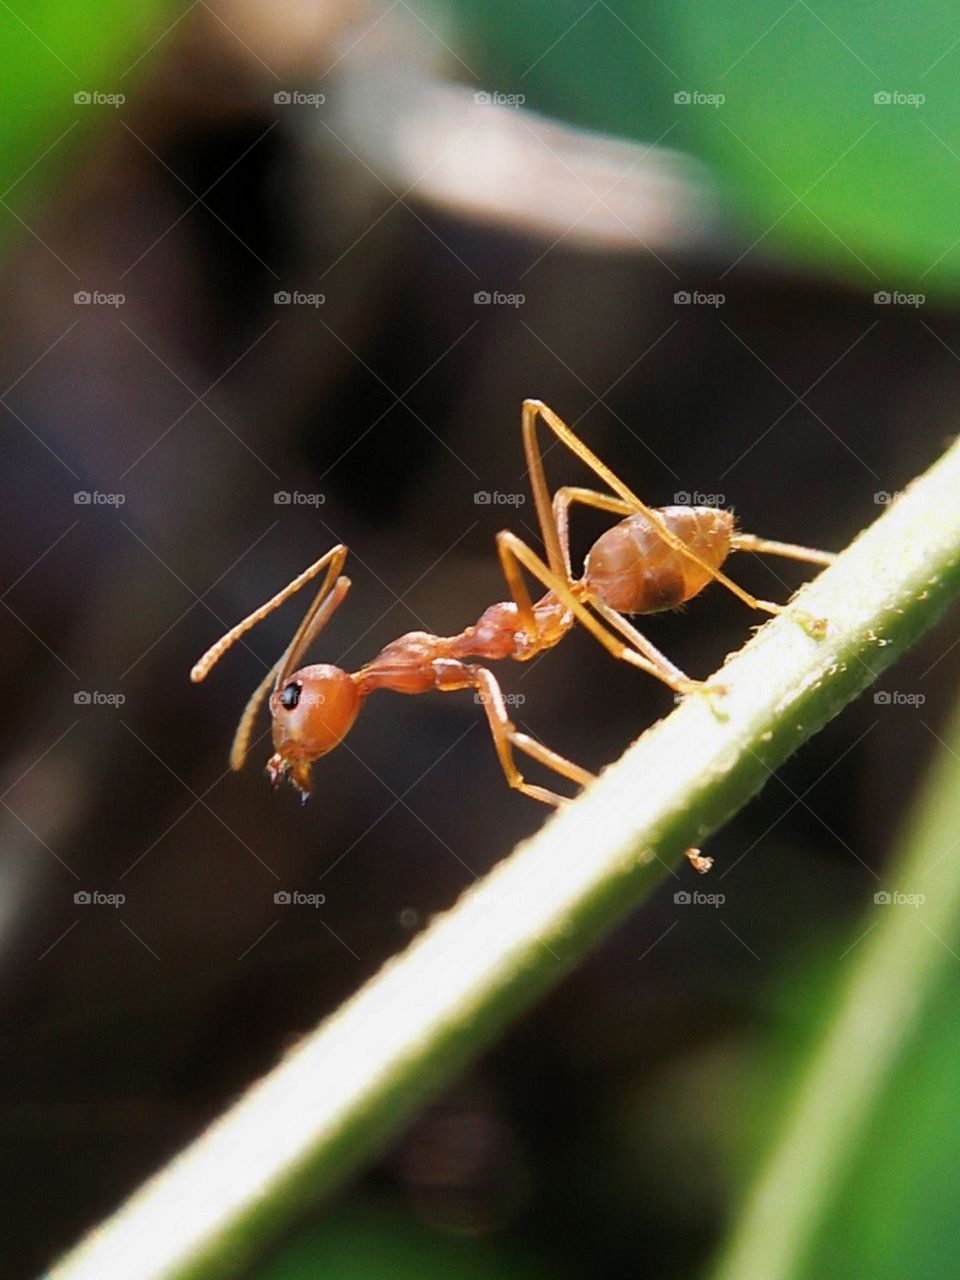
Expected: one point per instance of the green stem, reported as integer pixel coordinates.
(339, 1096)
(878, 1011)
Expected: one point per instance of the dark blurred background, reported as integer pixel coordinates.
(600, 1137)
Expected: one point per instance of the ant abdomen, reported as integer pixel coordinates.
(631, 568)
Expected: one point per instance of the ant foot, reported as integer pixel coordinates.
(816, 628)
(707, 689)
(698, 861)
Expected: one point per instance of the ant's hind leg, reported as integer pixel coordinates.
(534, 408)
(789, 551)
(815, 627)
(507, 738)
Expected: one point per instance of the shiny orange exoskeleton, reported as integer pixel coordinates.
(652, 559)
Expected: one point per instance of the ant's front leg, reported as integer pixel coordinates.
(507, 738)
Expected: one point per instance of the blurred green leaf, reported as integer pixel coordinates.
(820, 137)
(363, 1241)
(605, 66)
(815, 167)
(49, 53)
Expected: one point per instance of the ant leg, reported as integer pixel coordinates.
(533, 408)
(645, 646)
(335, 558)
(506, 738)
(514, 552)
(516, 584)
(555, 545)
(564, 498)
(750, 542)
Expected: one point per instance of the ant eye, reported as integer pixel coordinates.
(290, 696)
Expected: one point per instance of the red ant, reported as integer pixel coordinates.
(653, 559)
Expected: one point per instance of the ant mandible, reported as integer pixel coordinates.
(653, 559)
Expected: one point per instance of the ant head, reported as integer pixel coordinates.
(312, 712)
